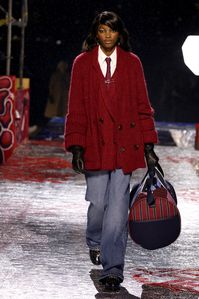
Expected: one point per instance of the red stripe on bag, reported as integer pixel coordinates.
(144, 210)
(137, 212)
(158, 209)
(151, 213)
(140, 210)
(163, 208)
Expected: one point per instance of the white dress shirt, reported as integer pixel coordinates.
(102, 61)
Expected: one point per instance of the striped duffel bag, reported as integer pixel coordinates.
(154, 218)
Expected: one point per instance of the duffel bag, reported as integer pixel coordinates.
(154, 218)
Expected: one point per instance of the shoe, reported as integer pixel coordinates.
(95, 256)
(112, 284)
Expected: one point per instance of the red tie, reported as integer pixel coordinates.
(108, 70)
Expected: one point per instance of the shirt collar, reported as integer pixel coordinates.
(102, 56)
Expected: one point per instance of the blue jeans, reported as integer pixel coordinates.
(107, 218)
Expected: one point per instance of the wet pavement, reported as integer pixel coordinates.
(42, 230)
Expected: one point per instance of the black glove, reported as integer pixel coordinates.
(151, 158)
(77, 161)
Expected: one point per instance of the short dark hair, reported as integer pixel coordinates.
(111, 20)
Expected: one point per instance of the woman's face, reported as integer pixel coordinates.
(107, 38)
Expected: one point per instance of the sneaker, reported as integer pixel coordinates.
(95, 256)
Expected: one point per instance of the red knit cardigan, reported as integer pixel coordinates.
(112, 131)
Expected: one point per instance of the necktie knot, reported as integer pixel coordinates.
(108, 70)
(108, 60)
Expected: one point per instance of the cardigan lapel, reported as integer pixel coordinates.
(95, 62)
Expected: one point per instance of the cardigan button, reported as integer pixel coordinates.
(122, 149)
(101, 120)
(119, 127)
(132, 124)
(136, 146)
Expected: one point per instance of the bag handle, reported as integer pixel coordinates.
(160, 175)
(152, 172)
(147, 183)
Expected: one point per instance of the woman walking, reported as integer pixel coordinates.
(110, 132)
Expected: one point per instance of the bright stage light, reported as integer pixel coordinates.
(190, 50)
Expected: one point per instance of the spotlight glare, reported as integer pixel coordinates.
(190, 51)
(58, 42)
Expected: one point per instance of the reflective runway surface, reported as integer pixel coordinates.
(42, 231)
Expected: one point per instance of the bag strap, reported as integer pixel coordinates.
(140, 188)
(148, 182)
(156, 171)
(149, 185)
(160, 177)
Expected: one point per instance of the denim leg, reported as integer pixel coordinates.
(107, 218)
(96, 194)
(115, 225)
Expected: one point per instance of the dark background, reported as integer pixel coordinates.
(56, 30)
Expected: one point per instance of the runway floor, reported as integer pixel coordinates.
(43, 253)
